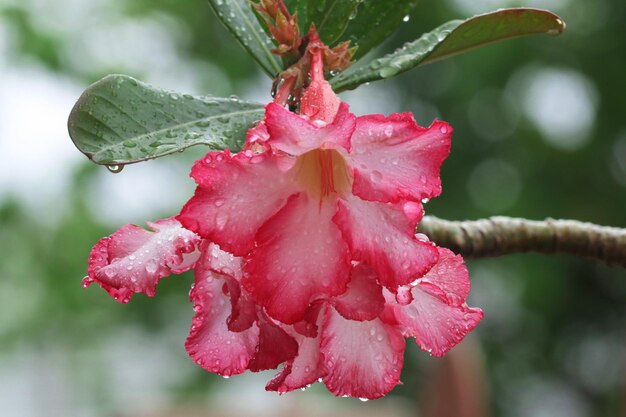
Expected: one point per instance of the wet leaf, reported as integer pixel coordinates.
(373, 21)
(453, 38)
(331, 17)
(119, 120)
(238, 17)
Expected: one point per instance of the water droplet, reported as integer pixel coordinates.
(233, 98)
(421, 237)
(219, 203)
(87, 282)
(151, 266)
(130, 144)
(376, 176)
(443, 129)
(220, 220)
(364, 399)
(115, 169)
(406, 18)
(404, 295)
(192, 135)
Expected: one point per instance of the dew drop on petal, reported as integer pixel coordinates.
(443, 129)
(376, 176)
(421, 237)
(404, 296)
(151, 266)
(220, 220)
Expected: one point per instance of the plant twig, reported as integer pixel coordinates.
(505, 235)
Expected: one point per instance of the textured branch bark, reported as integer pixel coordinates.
(505, 235)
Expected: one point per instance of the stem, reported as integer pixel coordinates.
(505, 235)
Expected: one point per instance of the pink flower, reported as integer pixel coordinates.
(304, 249)
(324, 188)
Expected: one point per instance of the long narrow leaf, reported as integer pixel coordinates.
(453, 38)
(238, 17)
(373, 21)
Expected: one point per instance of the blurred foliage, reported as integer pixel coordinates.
(542, 313)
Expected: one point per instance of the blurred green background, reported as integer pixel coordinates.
(540, 130)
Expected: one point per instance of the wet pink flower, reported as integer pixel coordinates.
(304, 249)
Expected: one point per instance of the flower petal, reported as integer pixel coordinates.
(451, 276)
(364, 358)
(436, 325)
(364, 298)
(210, 343)
(256, 137)
(236, 194)
(133, 260)
(300, 256)
(303, 370)
(275, 347)
(295, 135)
(244, 310)
(308, 366)
(382, 235)
(393, 158)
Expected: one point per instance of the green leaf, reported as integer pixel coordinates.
(453, 38)
(119, 120)
(238, 17)
(373, 22)
(330, 17)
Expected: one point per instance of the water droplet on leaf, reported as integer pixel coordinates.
(115, 169)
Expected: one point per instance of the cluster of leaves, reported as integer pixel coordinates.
(119, 120)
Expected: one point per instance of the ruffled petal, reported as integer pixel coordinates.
(364, 358)
(364, 298)
(133, 260)
(308, 366)
(295, 135)
(436, 325)
(451, 276)
(275, 347)
(211, 344)
(302, 371)
(229, 267)
(300, 256)
(382, 235)
(256, 137)
(236, 194)
(395, 159)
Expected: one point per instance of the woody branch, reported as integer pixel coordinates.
(505, 235)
